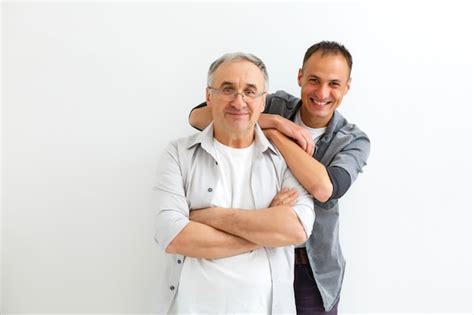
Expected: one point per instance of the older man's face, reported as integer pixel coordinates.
(235, 116)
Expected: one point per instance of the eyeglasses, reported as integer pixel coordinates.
(229, 94)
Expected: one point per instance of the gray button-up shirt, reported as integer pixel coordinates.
(186, 179)
(344, 150)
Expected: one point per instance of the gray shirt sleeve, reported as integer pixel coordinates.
(353, 157)
(348, 163)
(171, 208)
(340, 179)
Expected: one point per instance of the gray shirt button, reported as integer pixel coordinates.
(172, 288)
(209, 189)
(179, 261)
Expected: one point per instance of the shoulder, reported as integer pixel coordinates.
(348, 131)
(277, 158)
(283, 97)
(281, 103)
(180, 146)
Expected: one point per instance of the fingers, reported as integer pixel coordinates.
(305, 141)
(286, 197)
(310, 148)
(302, 142)
(309, 142)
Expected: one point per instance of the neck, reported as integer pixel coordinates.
(234, 140)
(313, 122)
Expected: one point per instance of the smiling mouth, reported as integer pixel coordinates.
(319, 103)
(237, 113)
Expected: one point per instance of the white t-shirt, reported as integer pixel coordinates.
(238, 284)
(316, 133)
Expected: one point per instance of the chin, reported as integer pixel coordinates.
(238, 127)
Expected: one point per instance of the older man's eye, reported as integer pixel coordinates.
(250, 93)
(228, 91)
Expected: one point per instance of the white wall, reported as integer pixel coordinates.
(93, 92)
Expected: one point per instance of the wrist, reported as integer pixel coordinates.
(277, 122)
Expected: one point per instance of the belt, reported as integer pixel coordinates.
(301, 256)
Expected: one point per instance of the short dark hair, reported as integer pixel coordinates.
(328, 47)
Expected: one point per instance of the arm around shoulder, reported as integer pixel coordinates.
(200, 116)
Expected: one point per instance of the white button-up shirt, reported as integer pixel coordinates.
(186, 179)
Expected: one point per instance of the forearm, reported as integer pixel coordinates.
(267, 121)
(273, 227)
(307, 170)
(202, 241)
(200, 117)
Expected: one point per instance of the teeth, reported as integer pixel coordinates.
(319, 103)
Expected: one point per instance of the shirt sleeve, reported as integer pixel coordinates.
(340, 179)
(348, 163)
(170, 205)
(304, 207)
(353, 157)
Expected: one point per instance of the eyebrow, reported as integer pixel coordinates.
(227, 83)
(332, 80)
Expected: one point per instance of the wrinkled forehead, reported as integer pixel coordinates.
(238, 74)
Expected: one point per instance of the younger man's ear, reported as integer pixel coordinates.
(300, 77)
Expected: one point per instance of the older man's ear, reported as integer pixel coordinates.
(208, 95)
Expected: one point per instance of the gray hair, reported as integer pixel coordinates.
(238, 56)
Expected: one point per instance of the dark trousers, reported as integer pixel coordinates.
(307, 296)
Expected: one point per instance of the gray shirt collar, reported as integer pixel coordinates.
(336, 122)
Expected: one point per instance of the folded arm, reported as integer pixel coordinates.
(202, 241)
(273, 227)
(173, 230)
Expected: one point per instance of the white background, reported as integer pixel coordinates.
(93, 92)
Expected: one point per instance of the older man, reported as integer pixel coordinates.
(227, 231)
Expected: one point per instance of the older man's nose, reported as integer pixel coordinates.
(238, 101)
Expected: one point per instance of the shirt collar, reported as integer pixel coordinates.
(335, 123)
(206, 137)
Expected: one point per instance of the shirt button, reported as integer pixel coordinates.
(172, 288)
(209, 189)
(179, 261)
(217, 163)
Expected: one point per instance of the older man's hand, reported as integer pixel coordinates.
(285, 197)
